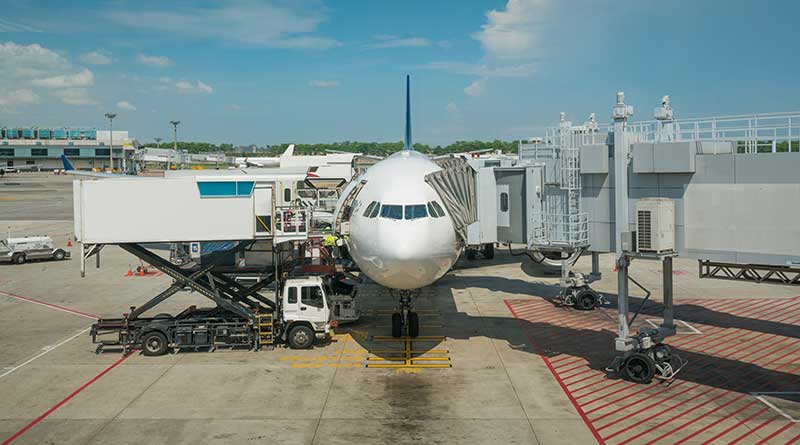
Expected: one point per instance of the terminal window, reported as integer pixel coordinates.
(38, 152)
(101, 152)
(6, 152)
(72, 151)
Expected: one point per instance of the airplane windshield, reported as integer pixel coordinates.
(416, 211)
(438, 208)
(392, 211)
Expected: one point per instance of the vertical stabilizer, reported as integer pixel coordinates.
(408, 145)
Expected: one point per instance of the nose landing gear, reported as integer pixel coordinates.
(405, 319)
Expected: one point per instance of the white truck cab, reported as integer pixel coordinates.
(305, 313)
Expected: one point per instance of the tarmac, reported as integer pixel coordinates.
(515, 367)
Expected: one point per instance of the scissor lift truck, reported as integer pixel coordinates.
(242, 316)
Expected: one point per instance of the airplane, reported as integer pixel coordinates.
(69, 168)
(400, 235)
(271, 161)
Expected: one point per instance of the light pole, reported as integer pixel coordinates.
(111, 117)
(158, 142)
(174, 140)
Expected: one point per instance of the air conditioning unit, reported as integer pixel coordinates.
(655, 225)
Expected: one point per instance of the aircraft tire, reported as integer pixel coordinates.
(413, 324)
(397, 325)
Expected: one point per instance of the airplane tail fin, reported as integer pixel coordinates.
(289, 151)
(408, 145)
(67, 165)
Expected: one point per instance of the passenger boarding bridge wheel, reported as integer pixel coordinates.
(586, 299)
(639, 368)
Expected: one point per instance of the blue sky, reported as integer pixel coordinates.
(272, 71)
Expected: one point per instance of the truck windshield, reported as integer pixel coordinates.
(312, 296)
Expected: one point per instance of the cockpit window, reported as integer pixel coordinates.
(392, 211)
(432, 211)
(438, 208)
(375, 210)
(415, 211)
(370, 207)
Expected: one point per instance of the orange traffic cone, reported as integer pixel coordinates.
(130, 272)
(69, 241)
(141, 272)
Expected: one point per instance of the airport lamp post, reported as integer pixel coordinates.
(111, 117)
(174, 141)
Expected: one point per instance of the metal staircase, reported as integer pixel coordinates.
(266, 331)
(342, 223)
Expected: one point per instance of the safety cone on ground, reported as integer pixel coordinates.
(141, 272)
(130, 272)
(69, 241)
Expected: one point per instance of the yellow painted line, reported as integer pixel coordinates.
(413, 359)
(3, 198)
(389, 338)
(400, 351)
(403, 366)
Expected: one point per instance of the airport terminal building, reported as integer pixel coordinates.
(39, 148)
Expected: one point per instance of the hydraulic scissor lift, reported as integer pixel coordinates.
(240, 315)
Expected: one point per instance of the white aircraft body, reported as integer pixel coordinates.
(400, 235)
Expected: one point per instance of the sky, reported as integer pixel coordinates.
(306, 71)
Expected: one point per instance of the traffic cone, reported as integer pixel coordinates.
(130, 272)
(141, 271)
(69, 241)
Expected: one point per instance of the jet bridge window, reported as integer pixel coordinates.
(504, 202)
(415, 211)
(392, 211)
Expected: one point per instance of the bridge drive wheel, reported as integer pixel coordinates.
(397, 325)
(585, 299)
(639, 368)
(154, 343)
(413, 324)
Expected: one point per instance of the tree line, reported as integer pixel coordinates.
(369, 148)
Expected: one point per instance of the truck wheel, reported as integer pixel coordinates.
(413, 324)
(301, 337)
(488, 251)
(59, 255)
(397, 325)
(154, 343)
(18, 258)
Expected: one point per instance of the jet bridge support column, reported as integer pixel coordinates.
(621, 114)
(669, 311)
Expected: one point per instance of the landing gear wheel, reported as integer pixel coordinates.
(662, 353)
(18, 258)
(488, 251)
(59, 255)
(413, 324)
(301, 337)
(585, 299)
(154, 343)
(470, 254)
(397, 325)
(639, 368)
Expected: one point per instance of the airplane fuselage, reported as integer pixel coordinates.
(400, 235)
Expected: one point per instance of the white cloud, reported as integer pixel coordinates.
(476, 88)
(25, 61)
(236, 107)
(157, 61)
(483, 70)
(512, 33)
(9, 26)
(74, 96)
(187, 87)
(277, 24)
(386, 41)
(324, 83)
(125, 105)
(11, 100)
(96, 58)
(83, 78)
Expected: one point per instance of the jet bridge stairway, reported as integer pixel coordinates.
(455, 183)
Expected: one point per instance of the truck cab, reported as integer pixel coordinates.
(305, 313)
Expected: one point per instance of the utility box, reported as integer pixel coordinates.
(655, 225)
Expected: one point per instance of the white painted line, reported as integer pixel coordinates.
(688, 326)
(46, 349)
(760, 396)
